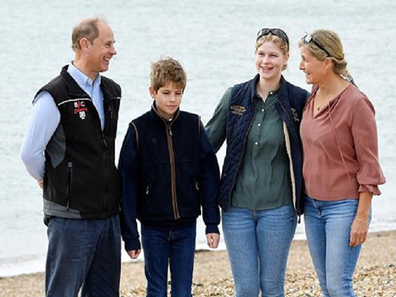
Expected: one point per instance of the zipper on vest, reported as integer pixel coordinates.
(104, 140)
(173, 171)
(69, 181)
(111, 112)
(109, 119)
(106, 174)
(294, 185)
(148, 192)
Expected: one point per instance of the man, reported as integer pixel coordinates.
(74, 122)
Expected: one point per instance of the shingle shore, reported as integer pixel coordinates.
(374, 276)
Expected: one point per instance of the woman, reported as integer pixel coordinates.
(341, 168)
(261, 181)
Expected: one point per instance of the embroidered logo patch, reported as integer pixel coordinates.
(295, 115)
(238, 109)
(79, 107)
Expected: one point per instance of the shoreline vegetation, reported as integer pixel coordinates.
(374, 276)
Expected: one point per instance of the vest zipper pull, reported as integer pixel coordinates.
(69, 184)
(111, 112)
(104, 140)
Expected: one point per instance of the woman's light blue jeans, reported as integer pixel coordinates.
(258, 244)
(328, 226)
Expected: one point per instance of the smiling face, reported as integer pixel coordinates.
(313, 68)
(168, 99)
(270, 61)
(101, 50)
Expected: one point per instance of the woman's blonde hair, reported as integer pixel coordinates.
(330, 42)
(282, 44)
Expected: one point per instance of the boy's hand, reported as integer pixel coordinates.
(213, 240)
(133, 253)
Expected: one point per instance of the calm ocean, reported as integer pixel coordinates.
(214, 41)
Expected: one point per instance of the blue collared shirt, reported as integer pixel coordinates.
(45, 118)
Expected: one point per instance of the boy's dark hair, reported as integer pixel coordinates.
(167, 70)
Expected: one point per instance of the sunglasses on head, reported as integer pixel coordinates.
(307, 39)
(274, 31)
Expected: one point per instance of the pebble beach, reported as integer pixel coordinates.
(374, 276)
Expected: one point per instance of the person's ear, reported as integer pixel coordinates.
(84, 44)
(328, 62)
(287, 56)
(152, 92)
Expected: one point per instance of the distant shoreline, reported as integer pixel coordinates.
(212, 276)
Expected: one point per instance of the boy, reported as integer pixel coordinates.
(168, 170)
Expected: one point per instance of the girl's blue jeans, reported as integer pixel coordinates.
(258, 244)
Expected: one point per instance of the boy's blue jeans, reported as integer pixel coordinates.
(176, 247)
(83, 254)
(328, 227)
(258, 244)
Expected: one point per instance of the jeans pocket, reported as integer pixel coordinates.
(46, 220)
